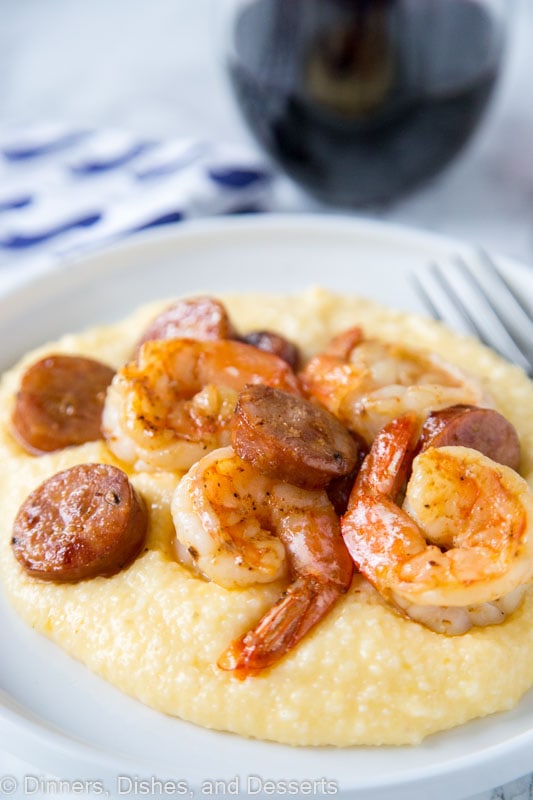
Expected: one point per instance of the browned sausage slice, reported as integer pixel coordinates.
(291, 439)
(60, 403)
(190, 318)
(483, 429)
(274, 343)
(80, 523)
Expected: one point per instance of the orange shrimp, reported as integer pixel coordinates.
(240, 527)
(460, 550)
(175, 403)
(366, 382)
(321, 570)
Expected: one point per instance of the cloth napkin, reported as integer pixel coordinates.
(64, 190)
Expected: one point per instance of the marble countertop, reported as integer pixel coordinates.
(154, 69)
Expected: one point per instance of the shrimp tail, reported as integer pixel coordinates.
(389, 461)
(299, 609)
(373, 522)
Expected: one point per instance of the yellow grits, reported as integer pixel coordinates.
(365, 675)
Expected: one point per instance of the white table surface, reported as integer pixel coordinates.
(153, 68)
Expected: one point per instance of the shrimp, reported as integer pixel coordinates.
(460, 550)
(367, 383)
(239, 528)
(222, 514)
(174, 404)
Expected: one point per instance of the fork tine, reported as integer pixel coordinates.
(520, 307)
(453, 294)
(495, 333)
(513, 344)
(427, 298)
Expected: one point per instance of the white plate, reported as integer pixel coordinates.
(63, 719)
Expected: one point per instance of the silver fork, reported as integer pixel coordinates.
(479, 299)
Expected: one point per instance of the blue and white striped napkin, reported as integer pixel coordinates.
(63, 191)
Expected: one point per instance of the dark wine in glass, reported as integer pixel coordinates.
(361, 101)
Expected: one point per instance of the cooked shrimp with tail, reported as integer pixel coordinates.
(239, 527)
(174, 404)
(367, 382)
(459, 552)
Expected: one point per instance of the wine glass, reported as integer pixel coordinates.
(362, 101)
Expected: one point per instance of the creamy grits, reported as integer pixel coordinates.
(364, 675)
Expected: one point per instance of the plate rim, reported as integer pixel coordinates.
(231, 225)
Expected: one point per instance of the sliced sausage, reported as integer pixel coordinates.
(275, 343)
(291, 439)
(483, 429)
(83, 522)
(190, 318)
(206, 318)
(60, 403)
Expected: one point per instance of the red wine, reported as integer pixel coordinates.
(360, 101)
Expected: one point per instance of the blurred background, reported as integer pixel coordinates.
(155, 70)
